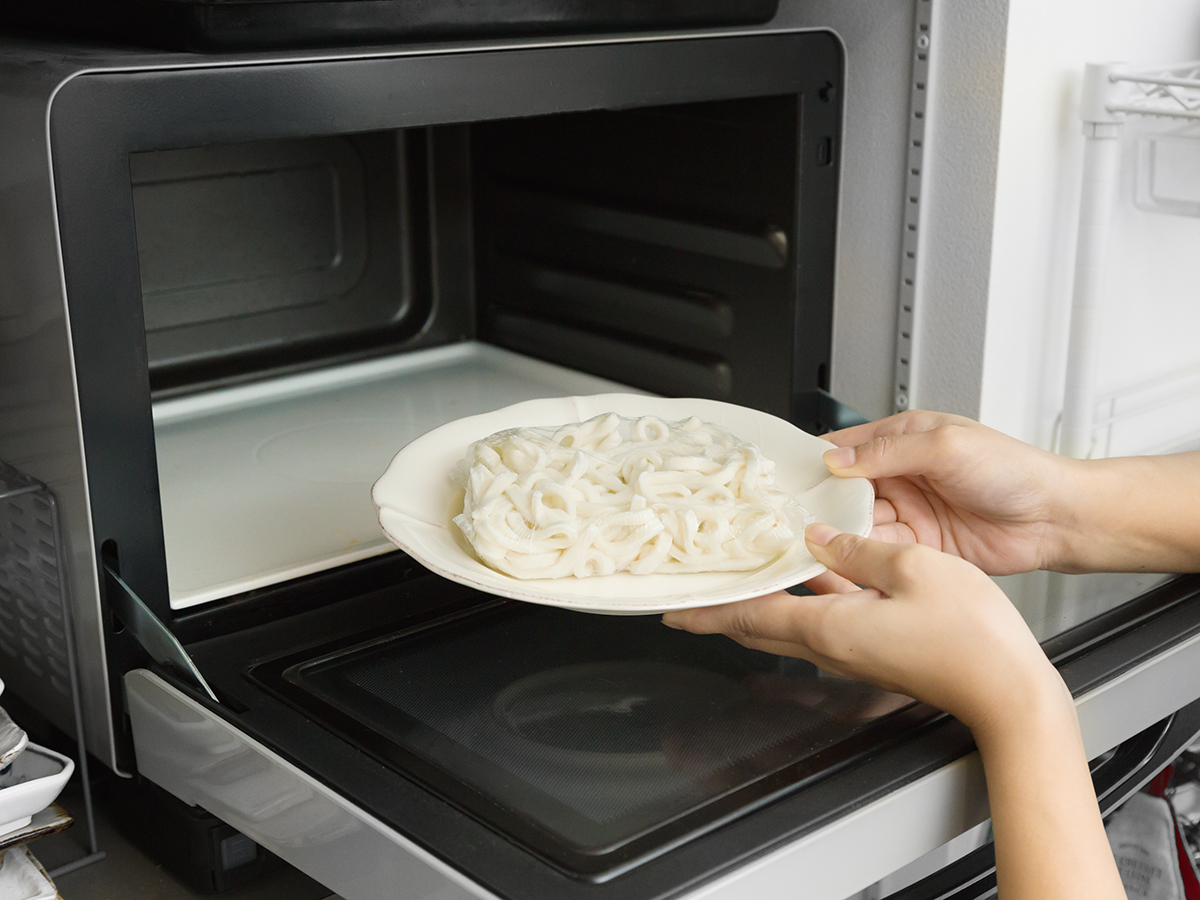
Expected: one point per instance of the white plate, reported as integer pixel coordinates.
(417, 501)
(30, 784)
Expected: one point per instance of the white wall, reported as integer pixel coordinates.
(1153, 292)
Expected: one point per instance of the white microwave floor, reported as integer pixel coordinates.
(270, 481)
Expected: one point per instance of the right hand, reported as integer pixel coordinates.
(949, 483)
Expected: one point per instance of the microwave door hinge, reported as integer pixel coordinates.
(164, 648)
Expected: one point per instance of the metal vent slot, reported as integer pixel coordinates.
(691, 316)
(658, 247)
(652, 368)
(768, 249)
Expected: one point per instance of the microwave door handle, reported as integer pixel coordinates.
(164, 648)
(1119, 774)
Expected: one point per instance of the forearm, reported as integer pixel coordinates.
(1050, 840)
(1131, 514)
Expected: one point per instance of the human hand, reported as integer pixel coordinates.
(930, 626)
(952, 484)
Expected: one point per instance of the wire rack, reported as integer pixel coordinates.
(36, 644)
(1112, 95)
(1172, 93)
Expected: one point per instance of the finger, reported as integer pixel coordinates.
(914, 507)
(730, 618)
(777, 617)
(892, 454)
(901, 423)
(889, 567)
(860, 434)
(894, 533)
(795, 651)
(885, 512)
(830, 583)
(825, 630)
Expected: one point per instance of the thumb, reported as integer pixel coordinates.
(921, 452)
(876, 564)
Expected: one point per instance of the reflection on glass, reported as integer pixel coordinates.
(1052, 602)
(592, 728)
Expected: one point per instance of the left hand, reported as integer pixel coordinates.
(931, 626)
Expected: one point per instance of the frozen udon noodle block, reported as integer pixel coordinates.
(614, 494)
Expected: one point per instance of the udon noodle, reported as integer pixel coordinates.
(614, 494)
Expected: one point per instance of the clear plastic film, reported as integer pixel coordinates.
(614, 494)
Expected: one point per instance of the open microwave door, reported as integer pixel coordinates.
(529, 752)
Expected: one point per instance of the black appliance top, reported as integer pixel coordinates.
(207, 25)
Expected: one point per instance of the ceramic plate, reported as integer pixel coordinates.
(30, 784)
(417, 501)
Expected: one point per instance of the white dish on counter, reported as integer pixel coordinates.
(30, 784)
(417, 501)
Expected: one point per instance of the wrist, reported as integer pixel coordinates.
(1065, 531)
(1034, 700)
(1088, 523)
(1125, 514)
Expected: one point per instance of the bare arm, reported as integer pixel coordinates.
(936, 628)
(1129, 514)
(1050, 839)
(952, 484)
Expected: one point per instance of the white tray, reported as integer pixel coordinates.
(271, 481)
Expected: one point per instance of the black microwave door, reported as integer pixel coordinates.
(1116, 775)
(355, 703)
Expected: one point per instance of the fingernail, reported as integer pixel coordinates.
(840, 457)
(820, 534)
(671, 621)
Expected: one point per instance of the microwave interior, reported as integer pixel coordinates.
(309, 303)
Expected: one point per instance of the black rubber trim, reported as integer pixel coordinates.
(1115, 642)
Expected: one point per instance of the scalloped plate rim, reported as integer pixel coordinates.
(455, 563)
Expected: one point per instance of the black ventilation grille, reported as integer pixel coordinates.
(653, 247)
(616, 356)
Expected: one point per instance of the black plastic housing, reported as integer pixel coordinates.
(261, 24)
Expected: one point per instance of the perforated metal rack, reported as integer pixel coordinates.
(37, 649)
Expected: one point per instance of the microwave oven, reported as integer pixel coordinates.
(235, 285)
